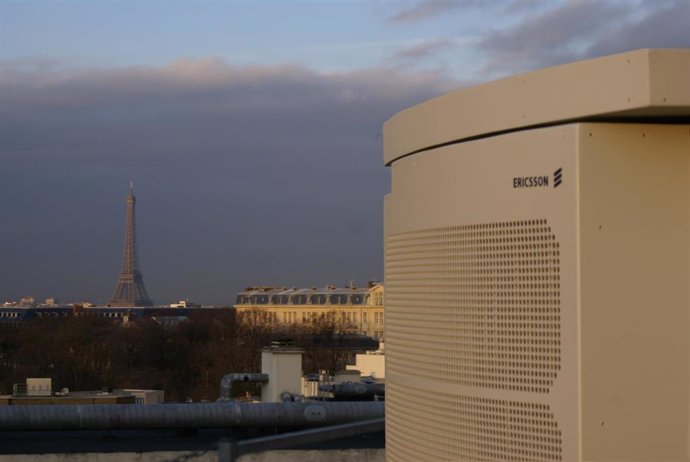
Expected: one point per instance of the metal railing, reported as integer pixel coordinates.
(229, 451)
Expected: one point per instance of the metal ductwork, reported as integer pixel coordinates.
(197, 415)
(354, 389)
(287, 397)
(227, 381)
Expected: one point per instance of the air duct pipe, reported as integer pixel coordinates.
(227, 381)
(197, 415)
(287, 397)
(354, 389)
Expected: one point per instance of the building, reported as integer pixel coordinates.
(130, 290)
(537, 238)
(27, 301)
(185, 304)
(85, 397)
(358, 307)
(142, 396)
(13, 316)
(40, 391)
(371, 364)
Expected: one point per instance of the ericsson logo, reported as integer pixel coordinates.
(557, 177)
(541, 181)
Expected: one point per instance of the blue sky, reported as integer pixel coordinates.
(251, 128)
(459, 37)
(326, 35)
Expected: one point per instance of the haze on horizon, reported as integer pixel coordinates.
(252, 129)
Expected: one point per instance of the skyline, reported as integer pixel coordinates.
(251, 129)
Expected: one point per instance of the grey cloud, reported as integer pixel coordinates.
(586, 28)
(520, 6)
(244, 175)
(426, 9)
(551, 37)
(665, 27)
(424, 49)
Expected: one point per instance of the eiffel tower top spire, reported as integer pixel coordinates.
(130, 290)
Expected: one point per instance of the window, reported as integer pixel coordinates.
(357, 299)
(258, 299)
(280, 299)
(318, 299)
(338, 299)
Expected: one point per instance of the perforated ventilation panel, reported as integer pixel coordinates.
(440, 426)
(476, 307)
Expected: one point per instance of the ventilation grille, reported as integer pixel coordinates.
(440, 426)
(475, 305)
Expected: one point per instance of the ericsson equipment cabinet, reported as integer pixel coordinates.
(537, 240)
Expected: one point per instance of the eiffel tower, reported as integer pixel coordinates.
(130, 290)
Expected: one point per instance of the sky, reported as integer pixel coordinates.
(251, 129)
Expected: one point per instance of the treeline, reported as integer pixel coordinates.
(187, 359)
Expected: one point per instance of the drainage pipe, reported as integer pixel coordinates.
(227, 381)
(193, 415)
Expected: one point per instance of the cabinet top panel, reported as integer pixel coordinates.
(648, 84)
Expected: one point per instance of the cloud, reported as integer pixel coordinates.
(552, 37)
(519, 6)
(427, 9)
(580, 29)
(424, 49)
(666, 26)
(244, 175)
